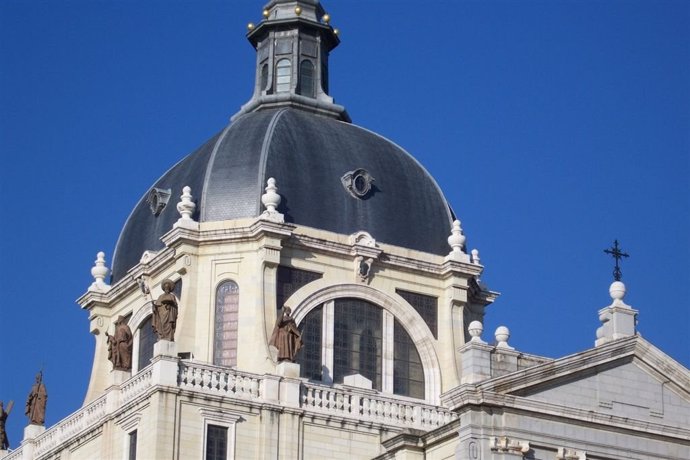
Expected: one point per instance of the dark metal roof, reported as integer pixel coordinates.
(308, 155)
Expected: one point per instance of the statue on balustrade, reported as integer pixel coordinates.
(286, 337)
(36, 402)
(4, 442)
(120, 346)
(165, 312)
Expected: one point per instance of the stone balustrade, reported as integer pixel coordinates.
(136, 385)
(347, 402)
(219, 380)
(373, 407)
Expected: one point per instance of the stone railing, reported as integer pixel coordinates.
(373, 407)
(136, 385)
(218, 380)
(347, 402)
(82, 420)
(16, 454)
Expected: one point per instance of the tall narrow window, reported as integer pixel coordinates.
(283, 76)
(264, 77)
(408, 374)
(357, 347)
(216, 442)
(146, 340)
(132, 449)
(306, 78)
(309, 356)
(225, 334)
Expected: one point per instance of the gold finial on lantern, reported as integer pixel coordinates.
(336, 31)
(298, 10)
(326, 18)
(250, 26)
(265, 13)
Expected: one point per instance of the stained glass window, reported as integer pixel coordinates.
(225, 331)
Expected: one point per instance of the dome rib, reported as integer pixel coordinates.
(308, 155)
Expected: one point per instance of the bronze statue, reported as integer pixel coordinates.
(286, 337)
(36, 402)
(120, 346)
(4, 442)
(165, 312)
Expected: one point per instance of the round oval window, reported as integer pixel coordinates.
(361, 185)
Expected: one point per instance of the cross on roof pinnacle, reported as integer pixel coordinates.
(617, 254)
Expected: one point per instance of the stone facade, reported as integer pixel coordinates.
(421, 384)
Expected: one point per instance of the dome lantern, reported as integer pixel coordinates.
(292, 45)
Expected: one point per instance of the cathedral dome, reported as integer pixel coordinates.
(331, 175)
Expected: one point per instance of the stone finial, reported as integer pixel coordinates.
(99, 272)
(475, 257)
(502, 335)
(271, 199)
(617, 293)
(186, 208)
(618, 320)
(456, 241)
(475, 329)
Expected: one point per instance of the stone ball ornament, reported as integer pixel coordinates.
(617, 290)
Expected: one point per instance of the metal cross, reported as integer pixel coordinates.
(617, 254)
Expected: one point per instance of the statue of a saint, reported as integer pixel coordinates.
(4, 442)
(120, 346)
(165, 312)
(286, 337)
(36, 402)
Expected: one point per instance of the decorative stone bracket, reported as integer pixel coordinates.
(365, 252)
(505, 445)
(564, 453)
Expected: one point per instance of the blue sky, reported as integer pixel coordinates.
(553, 128)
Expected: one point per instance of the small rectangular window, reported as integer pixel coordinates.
(133, 445)
(216, 442)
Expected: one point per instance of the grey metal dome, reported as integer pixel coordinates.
(310, 156)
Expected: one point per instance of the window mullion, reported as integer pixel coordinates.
(328, 324)
(387, 352)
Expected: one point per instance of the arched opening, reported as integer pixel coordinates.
(283, 76)
(306, 79)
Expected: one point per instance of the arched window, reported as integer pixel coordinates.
(283, 76)
(225, 330)
(264, 77)
(353, 336)
(147, 338)
(306, 78)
